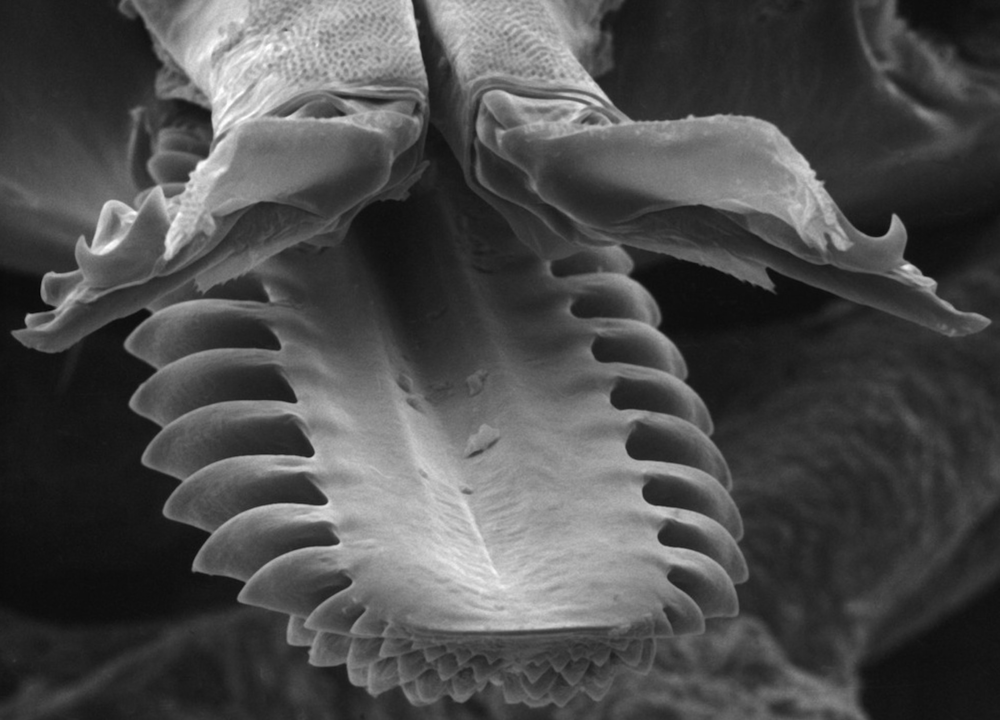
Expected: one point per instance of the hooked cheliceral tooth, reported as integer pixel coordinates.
(318, 109)
(541, 142)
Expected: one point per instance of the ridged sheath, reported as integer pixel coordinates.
(450, 462)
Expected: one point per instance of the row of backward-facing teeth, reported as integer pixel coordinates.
(232, 434)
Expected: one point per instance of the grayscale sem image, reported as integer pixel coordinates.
(500, 359)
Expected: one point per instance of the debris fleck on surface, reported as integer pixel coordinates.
(439, 392)
(476, 381)
(483, 439)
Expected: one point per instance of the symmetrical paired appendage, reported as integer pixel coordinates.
(445, 437)
(321, 108)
